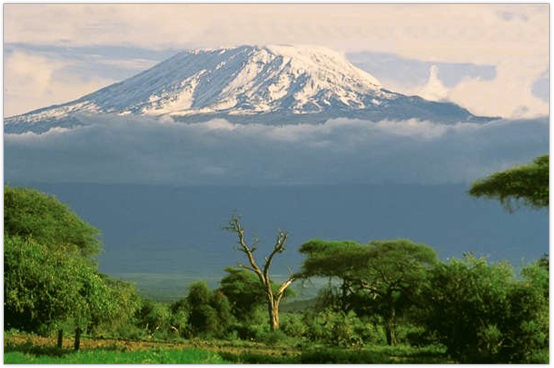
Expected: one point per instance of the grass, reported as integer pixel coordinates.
(392, 355)
(155, 356)
(28, 349)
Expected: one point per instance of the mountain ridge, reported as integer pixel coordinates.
(270, 83)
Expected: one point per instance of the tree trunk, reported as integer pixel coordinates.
(391, 335)
(60, 338)
(77, 344)
(273, 316)
(389, 327)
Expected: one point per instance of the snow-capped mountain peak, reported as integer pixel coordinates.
(276, 80)
(250, 79)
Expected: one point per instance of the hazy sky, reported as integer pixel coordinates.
(491, 59)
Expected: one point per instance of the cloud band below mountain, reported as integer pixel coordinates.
(115, 149)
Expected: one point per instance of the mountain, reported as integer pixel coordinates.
(272, 84)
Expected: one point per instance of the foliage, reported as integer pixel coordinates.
(46, 288)
(273, 298)
(382, 278)
(49, 279)
(30, 213)
(153, 317)
(210, 312)
(338, 328)
(527, 185)
(244, 291)
(526, 327)
(125, 302)
(482, 314)
(255, 327)
(294, 325)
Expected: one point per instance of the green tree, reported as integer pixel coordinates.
(383, 277)
(51, 288)
(210, 312)
(124, 303)
(244, 292)
(28, 212)
(526, 326)
(153, 317)
(527, 185)
(466, 299)
(483, 314)
(50, 279)
(273, 298)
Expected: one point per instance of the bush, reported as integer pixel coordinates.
(341, 329)
(482, 314)
(293, 325)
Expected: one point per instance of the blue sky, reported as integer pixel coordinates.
(491, 59)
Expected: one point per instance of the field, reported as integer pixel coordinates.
(31, 349)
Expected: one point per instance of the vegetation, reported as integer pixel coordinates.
(154, 356)
(527, 185)
(387, 301)
(383, 278)
(273, 297)
(30, 213)
(50, 279)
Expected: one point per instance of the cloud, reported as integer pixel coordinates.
(510, 94)
(434, 90)
(541, 87)
(113, 149)
(511, 89)
(478, 33)
(399, 73)
(34, 80)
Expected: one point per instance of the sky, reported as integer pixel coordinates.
(492, 59)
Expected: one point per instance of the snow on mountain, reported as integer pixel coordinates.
(243, 82)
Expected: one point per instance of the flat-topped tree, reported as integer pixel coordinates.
(383, 277)
(527, 185)
(273, 298)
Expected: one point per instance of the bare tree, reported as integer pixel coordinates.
(273, 298)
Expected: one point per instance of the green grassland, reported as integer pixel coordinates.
(20, 348)
(159, 356)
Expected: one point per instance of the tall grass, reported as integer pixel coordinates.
(403, 355)
(157, 356)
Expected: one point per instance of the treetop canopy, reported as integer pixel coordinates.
(527, 184)
(335, 258)
(29, 213)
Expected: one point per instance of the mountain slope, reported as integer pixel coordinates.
(279, 84)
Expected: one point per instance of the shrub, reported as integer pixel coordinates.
(482, 314)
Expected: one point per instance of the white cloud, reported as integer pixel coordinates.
(434, 90)
(128, 150)
(448, 32)
(33, 81)
(509, 94)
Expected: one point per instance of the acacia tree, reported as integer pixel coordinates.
(386, 275)
(526, 184)
(273, 298)
(50, 277)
